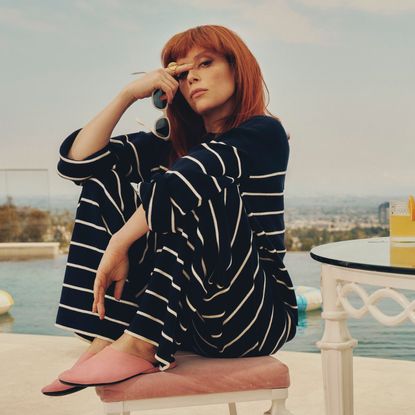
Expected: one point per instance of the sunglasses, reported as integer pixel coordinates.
(162, 125)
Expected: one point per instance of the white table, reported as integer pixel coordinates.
(344, 267)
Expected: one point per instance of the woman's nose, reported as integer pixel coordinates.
(192, 75)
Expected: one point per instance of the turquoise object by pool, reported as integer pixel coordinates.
(308, 298)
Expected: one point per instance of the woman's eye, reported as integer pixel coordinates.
(208, 62)
(183, 75)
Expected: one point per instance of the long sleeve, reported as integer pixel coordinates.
(205, 171)
(132, 155)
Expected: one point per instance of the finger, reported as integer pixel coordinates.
(97, 285)
(170, 96)
(119, 285)
(99, 294)
(172, 79)
(169, 73)
(95, 303)
(182, 68)
(165, 85)
(100, 303)
(167, 89)
(169, 81)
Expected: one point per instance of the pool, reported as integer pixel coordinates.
(35, 287)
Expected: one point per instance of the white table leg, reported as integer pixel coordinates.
(336, 348)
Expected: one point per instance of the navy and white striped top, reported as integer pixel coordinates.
(253, 155)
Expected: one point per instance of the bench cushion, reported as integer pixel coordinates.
(196, 374)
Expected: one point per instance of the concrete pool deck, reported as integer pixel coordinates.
(28, 362)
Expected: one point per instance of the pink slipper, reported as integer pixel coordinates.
(107, 367)
(57, 388)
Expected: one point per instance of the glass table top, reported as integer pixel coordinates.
(377, 254)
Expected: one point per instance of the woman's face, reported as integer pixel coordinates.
(212, 73)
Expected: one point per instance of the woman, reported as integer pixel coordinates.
(192, 258)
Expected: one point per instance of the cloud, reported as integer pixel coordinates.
(15, 18)
(118, 14)
(210, 5)
(92, 6)
(263, 19)
(370, 6)
(275, 19)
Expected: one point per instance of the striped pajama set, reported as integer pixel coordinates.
(208, 276)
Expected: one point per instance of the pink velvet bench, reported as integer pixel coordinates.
(199, 380)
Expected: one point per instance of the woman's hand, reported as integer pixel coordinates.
(114, 266)
(157, 79)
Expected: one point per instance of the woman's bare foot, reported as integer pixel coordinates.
(129, 344)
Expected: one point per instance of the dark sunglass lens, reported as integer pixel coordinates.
(158, 102)
(182, 75)
(162, 127)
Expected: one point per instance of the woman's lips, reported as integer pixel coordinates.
(197, 94)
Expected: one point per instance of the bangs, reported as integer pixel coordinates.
(180, 45)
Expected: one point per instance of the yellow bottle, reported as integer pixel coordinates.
(402, 254)
(402, 220)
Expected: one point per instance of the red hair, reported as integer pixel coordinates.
(187, 127)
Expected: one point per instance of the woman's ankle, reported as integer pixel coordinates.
(141, 348)
(97, 345)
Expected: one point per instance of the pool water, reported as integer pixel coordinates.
(35, 286)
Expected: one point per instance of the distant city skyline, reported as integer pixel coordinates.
(339, 74)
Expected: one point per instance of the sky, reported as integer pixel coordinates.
(340, 75)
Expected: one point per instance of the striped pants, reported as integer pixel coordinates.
(201, 288)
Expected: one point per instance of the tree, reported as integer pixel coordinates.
(36, 225)
(10, 227)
